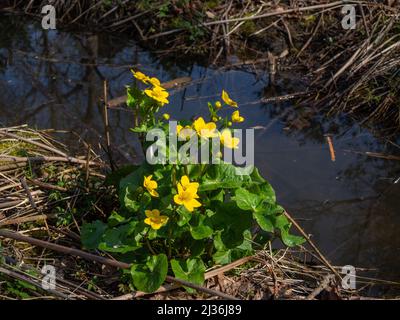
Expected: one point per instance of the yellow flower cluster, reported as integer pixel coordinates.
(187, 194)
(186, 190)
(153, 217)
(228, 141)
(205, 129)
(236, 117)
(157, 92)
(208, 130)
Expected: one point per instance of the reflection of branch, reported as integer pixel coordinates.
(375, 154)
(35, 111)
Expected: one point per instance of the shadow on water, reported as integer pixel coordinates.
(350, 206)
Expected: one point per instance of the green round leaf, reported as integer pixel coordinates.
(246, 200)
(191, 270)
(150, 276)
(202, 230)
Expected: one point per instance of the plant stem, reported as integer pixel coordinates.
(203, 169)
(149, 247)
(174, 174)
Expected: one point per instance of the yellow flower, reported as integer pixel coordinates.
(229, 141)
(158, 94)
(236, 117)
(218, 105)
(205, 130)
(187, 197)
(154, 219)
(186, 184)
(166, 116)
(184, 132)
(140, 76)
(151, 186)
(155, 82)
(228, 100)
(179, 129)
(215, 119)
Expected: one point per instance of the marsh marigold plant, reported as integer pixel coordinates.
(180, 219)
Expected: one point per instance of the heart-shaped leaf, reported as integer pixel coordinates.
(246, 200)
(284, 225)
(202, 229)
(191, 270)
(150, 276)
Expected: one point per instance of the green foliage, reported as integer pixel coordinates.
(149, 276)
(183, 218)
(191, 270)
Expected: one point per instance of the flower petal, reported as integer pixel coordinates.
(178, 199)
(185, 181)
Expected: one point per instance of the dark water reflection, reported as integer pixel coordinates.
(351, 206)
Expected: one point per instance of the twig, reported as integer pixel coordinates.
(324, 260)
(331, 149)
(50, 159)
(26, 219)
(32, 282)
(29, 194)
(324, 284)
(47, 185)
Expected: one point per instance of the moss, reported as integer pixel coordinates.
(212, 4)
(248, 28)
(16, 149)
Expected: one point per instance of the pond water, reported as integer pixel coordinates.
(350, 206)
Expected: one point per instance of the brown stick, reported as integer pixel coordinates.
(26, 219)
(29, 194)
(331, 148)
(32, 282)
(107, 127)
(226, 268)
(323, 285)
(106, 124)
(47, 185)
(323, 259)
(46, 158)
